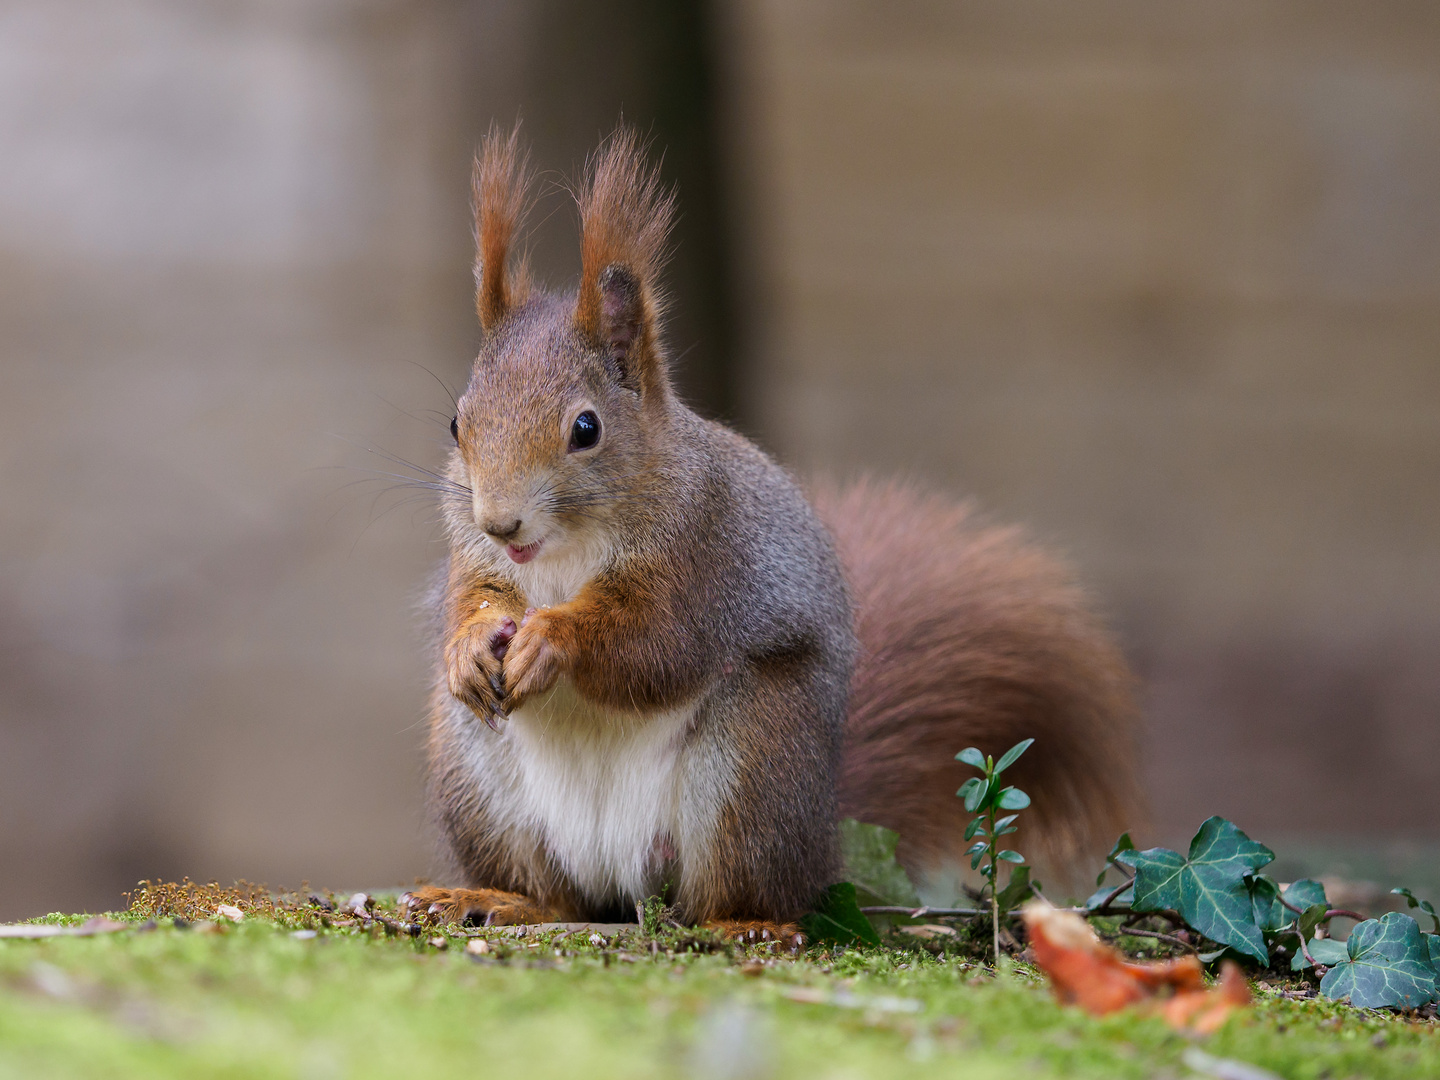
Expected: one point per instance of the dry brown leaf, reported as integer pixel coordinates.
(1083, 971)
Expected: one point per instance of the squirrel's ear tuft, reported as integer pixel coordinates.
(625, 219)
(500, 187)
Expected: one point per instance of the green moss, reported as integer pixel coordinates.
(252, 1000)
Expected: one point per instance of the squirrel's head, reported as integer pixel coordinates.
(570, 396)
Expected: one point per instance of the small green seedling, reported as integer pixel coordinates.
(653, 914)
(983, 796)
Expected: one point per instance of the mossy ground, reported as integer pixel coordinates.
(252, 999)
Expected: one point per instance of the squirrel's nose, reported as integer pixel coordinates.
(502, 530)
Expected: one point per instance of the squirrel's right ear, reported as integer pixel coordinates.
(625, 218)
(500, 187)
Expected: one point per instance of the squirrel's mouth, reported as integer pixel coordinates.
(523, 554)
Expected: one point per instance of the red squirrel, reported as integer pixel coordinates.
(662, 666)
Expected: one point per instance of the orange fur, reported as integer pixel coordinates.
(472, 670)
(500, 185)
(614, 640)
(492, 907)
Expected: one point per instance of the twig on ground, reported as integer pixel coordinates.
(947, 912)
(1343, 913)
(1135, 931)
(1104, 905)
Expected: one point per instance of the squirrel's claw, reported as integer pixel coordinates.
(532, 664)
(473, 660)
(488, 907)
(755, 932)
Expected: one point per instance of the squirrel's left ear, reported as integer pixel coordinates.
(500, 187)
(625, 218)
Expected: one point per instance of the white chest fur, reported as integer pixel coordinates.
(556, 576)
(603, 791)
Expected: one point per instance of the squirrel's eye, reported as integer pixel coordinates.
(455, 428)
(586, 432)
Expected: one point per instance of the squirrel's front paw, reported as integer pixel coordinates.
(487, 907)
(473, 666)
(534, 661)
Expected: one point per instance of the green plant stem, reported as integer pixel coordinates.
(1305, 950)
(994, 882)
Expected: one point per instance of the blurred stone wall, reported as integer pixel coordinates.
(1163, 282)
(1158, 280)
(235, 297)
(224, 242)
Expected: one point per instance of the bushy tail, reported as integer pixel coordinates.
(972, 636)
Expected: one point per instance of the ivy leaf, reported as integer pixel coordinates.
(1387, 964)
(1123, 899)
(971, 756)
(1208, 888)
(1265, 896)
(869, 853)
(838, 920)
(1306, 893)
(1424, 905)
(1432, 942)
(1123, 844)
(1012, 755)
(1310, 918)
(1326, 951)
(1269, 914)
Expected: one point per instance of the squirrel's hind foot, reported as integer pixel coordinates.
(478, 907)
(759, 931)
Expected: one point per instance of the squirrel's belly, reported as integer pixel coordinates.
(606, 793)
